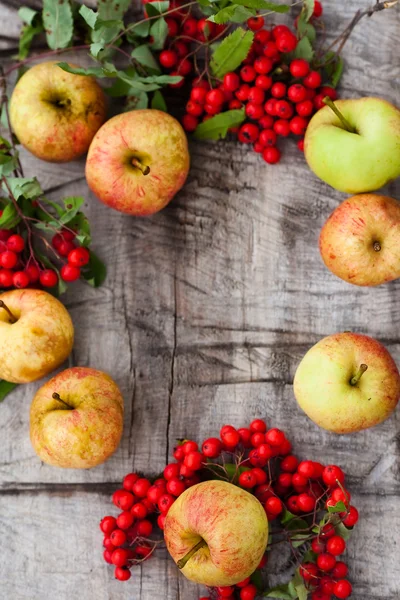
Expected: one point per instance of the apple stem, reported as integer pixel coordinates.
(354, 380)
(377, 247)
(57, 397)
(182, 562)
(12, 318)
(337, 112)
(144, 168)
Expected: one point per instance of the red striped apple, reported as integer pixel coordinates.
(217, 533)
(77, 419)
(138, 161)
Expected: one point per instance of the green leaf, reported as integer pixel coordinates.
(108, 70)
(231, 52)
(161, 79)
(27, 15)
(299, 539)
(217, 127)
(95, 272)
(337, 71)
(233, 13)
(339, 507)
(28, 32)
(256, 579)
(301, 590)
(280, 591)
(343, 531)
(112, 9)
(156, 8)
(143, 55)
(5, 388)
(287, 516)
(58, 23)
(137, 101)
(304, 49)
(89, 16)
(158, 102)
(138, 30)
(308, 9)
(80, 224)
(159, 32)
(10, 217)
(305, 29)
(262, 4)
(5, 145)
(72, 205)
(8, 164)
(309, 556)
(23, 186)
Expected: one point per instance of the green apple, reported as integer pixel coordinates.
(217, 533)
(360, 241)
(347, 382)
(362, 159)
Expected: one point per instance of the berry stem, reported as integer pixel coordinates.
(56, 396)
(13, 319)
(143, 168)
(337, 112)
(354, 380)
(182, 562)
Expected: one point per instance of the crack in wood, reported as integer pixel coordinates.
(172, 373)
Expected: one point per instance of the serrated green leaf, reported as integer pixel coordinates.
(138, 30)
(112, 9)
(339, 507)
(88, 15)
(8, 164)
(95, 272)
(28, 33)
(143, 55)
(308, 9)
(305, 29)
(5, 388)
(58, 23)
(24, 186)
(233, 13)
(72, 205)
(158, 102)
(156, 8)
(217, 127)
(27, 15)
(262, 4)
(137, 101)
(280, 591)
(159, 32)
(231, 52)
(10, 217)
(108, 70)
(304, 49)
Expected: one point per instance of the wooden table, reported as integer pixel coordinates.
(206, 311)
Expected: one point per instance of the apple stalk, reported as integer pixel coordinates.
(13, 319)
(182, 562)
(354, 380)
(340, 116)
(59, 399)
(145, 169)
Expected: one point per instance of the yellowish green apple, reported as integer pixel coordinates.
(77, 419)
(138, 161)
(360, 241)
(55, 114)
(357, 151)
(347, 382)
(217, 533)
(36, 335)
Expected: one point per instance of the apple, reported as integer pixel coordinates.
(354, 145)
(217, 533)
(55, 114)
(36, 335)
(76, 419)
(360, 241)
(347, 382)
(138, 161)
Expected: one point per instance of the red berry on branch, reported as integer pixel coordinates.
(274, 506)
(255, 23)
(184, 67)
(141, 487)
(165, 503)
(20, 279)
(198, 95)
(351, 518)
(292, 504)
(285, 448)
(144, 528)
(4, 234)
(326, 561)
(256, 96)
(336, 545)
(318, 546)
(283, 109)
(297, 92)
(48, 278)
(326, 90)
(300, 145)
(318, 101)
(205, 29)
(333, 474)
(225, 592)
(299, 67)
(340, 495)
(305, 108)
(286, 42)
(123, 499)
(192, 108)
(161, 521)
(182, 50)
(271, 155)
(243, 92)
(189, 27)
(262, 36)
(212, 447)
(129, 480)
(279, 30)
(122, 573)
(118, 537)
(154, 493)
(171, 471)
(271, 50)
(139, 510)
(120, 557)
(234, 104)
(248, 133)
(231, 81)
(247, 479)
(16, 243)
(249, 592)
(6, 278)
(263, 65)
(243, 583)
(248, 73)
(107, 556)
(285, 480)
(8, 259)
(326, 585)
(175, 486)
(215, 97)
(257, 439)
(125, 519)
(309, 572)
(342, 589)
(275, 437)
(278, 90)
(254, 111)
(267, 138)
(70, 273)
(78, 257)
(185, 471)
(340, 570)
(266, 122)
(260, 475)
(317, 9)
(173, 27)
(264, 82)
(270, 107)
(108, 524)
(312, 80)
(298, 125)
(305, 502)
(189, 122)
(33, 272)
(319, 595)
(282, 127)
(258, 426)
(289, 463)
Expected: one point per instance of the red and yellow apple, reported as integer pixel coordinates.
(347, 382)
(36, 335)
(55, 114)
(217, 533)
(138, 161)
(360, 241)
(76, 419)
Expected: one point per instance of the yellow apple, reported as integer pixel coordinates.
(217, 533)
(55, 114)
(77, 419)
(36, 335)
(138, 161)
(360, 241)
(347, 382)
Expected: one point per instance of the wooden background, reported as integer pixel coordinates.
(207, 309)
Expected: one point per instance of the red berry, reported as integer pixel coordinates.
(257, 439)
(289, 463)
(139, 510)
(173, 27)
(247, 480)
(243, 583)
(6, 278)
(175, 486)
(286, 42)
(284, 480)
(168, 58)
(292, 504)
(192, 108)
(317, 9)
(263, 82)
(122, 573)
(297, 92)
(231, 81)
(206, 29)
(274, 506)
(319, 595)
(254, 111)
(165, 503)
(120, 557)
(258, 147)
(189, 27)
(107, 556)
(248, 134)
(318, 546)
(248, 592)
(123, 499)
(275, 437)
(299, 67)
(118, 537)
(283, 109)
(108, 524)
(193, 461)
(285, 448)
(243, 92)
(260, 475)
(278, 90)
(144, 528)
(255, 23)
(171, 470)
(256, 95)
(32, 272)
(312, 80)
(271, 155)
(189, 122)
(258, 426)
(4, 233)
(129, 480)
(245, 435)
(271, 49)
(65, 248)
(309, 571)
(270, 107)
(48, 278)
(215, 97)
(198, 95)
(279, 30)
(212, 448)
(231, 437)
(340, 570)
(184, 67)
(70, 273)
(336, 545)
(264, 450)
(342, 589)
(326, 562)
(282, 127)
(247, 74)
(267, 138)
(189, 446)
(326, 585)
(305, 108)
(154, 493)
(141, 487)
(262, 36)
(300, 145)
(16, 243)
(299, 482)
(298, 125)
(20, 279)
(327, 531)
(306, 503)
(339, 495)
(125, 519)
(352, 517)
(8, 259)
(79, 257)
(185, 471)
(326, 90)
(225, 592)
(234, 104)
(332, 474)
(263, 65)
(161, 521)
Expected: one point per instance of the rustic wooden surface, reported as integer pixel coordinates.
(207, 309)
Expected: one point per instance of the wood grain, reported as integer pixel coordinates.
(207, 309)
